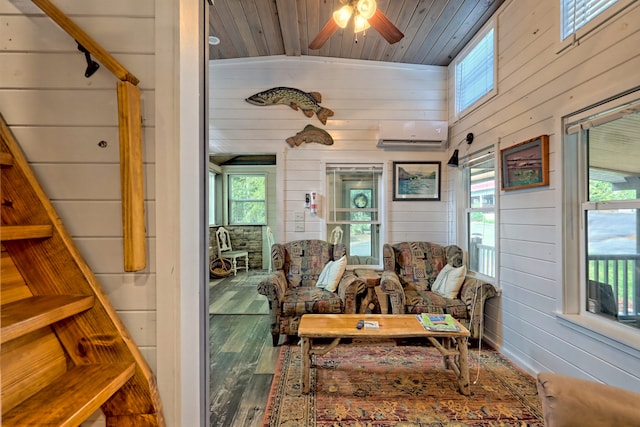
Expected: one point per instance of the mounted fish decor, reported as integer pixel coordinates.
(310, 133)
(308, 102)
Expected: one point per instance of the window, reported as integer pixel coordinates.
(603, 149)
(353, 201)
(247, 199)
(480, 182)
(475, 72)
(580, 17)
(212, 197)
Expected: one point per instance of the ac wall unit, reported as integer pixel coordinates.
(413, 135)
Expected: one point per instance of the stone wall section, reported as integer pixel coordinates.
(243, 237)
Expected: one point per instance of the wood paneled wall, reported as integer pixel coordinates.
(68, 127)
(361, 94)
(536, 88)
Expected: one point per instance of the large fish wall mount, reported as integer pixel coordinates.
(308, 102)
(310, 133)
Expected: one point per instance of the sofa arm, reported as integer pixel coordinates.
(474, 293)
(568, 401)
(348, 289)
(390, 285)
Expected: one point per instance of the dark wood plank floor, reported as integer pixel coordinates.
(242, 357)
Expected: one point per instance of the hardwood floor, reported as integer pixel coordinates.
(242, 358)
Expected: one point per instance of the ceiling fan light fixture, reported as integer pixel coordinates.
(342, 16)
(366, 8)
(360, 24)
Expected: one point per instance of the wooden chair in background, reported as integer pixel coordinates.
(225, 250)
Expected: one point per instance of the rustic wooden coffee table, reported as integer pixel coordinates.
(338, 326)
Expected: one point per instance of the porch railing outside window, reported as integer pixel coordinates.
(608, 192)
(481, 221)
(620, 273)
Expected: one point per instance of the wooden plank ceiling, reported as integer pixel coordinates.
(434, 30)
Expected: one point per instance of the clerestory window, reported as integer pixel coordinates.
(475, 71)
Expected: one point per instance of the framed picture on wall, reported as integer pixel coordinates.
(526, 164)
(416, 181)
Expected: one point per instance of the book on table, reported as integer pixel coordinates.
(438, 322)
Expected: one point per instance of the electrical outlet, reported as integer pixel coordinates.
(298, 216)
(299, 226)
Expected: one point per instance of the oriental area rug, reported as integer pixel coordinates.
(364, 385)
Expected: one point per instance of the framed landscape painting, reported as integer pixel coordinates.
(416, 181)
(526, 164)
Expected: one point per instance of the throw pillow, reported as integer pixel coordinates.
(449, 281)
(331, 274)
(322, 278)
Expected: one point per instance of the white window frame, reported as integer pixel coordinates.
(464, 229)
(329, 224)
(214, 196)
(597, 21)
(459, 111)
(573, 310)
(230, 200)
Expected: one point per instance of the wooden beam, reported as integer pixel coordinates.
(131, 176)
(85, 40)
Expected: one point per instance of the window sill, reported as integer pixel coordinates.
(620, 337)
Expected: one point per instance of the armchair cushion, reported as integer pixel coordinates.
(298, 301)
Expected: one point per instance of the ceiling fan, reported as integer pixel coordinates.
(365, 14)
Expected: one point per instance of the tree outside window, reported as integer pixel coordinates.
(247, 199)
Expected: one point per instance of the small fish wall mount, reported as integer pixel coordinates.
(308, 102)
(310, 133)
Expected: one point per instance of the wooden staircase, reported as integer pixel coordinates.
(64, 352)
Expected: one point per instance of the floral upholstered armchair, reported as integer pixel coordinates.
(291, 286)
(411, 270)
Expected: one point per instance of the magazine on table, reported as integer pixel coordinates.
(438, 322)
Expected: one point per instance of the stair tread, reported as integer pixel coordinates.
(26, 315)
(19, 232)
(73, 397)
(6, 159)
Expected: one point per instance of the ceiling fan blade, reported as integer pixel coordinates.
(381, 23)
(327, 31)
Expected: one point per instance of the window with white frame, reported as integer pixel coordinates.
(602, 192)
(354, 211)
(212, 197)
(480, 215)
(579, 17)
(247, 199)
(475, 71)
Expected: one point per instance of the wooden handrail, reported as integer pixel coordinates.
(131, 177)
(130, 124)
(85, 40)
